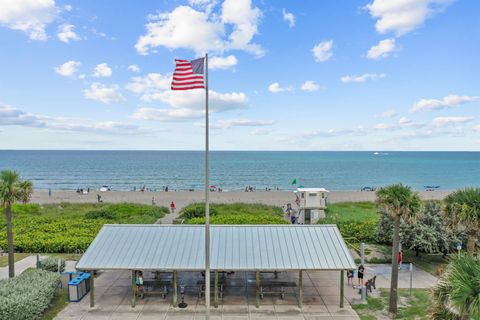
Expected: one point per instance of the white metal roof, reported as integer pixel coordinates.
(233, 247)
(312, 190)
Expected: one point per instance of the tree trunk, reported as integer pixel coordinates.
(394, 280)
(472, 240)
(11, 257)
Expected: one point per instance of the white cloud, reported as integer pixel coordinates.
(244, 123)
(476, 128)
(382, 50)
(244, 18)
(103, 93)
(384, 126)
(276, 88)
(102, 70)
(449, 101)
(359, 131)
(323, 51)
(189, 104)
(289, 18)
(152, 83)
(68, 69)
(404, 121)
(403, 16)
(184, 27)
(155, 114)
(195, 100)
(29, 16)
(362, 78)
(66, 33)
(310, 86)
(222, 62)
(199, 2)
(16, 117)
(261, 131)
(187, 28)
(390, 113)
(134, 68)
(445, 121)
(229, 123)
(68, 7)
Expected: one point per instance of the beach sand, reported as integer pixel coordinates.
(183, 198)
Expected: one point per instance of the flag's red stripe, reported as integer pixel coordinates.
(186, 83)
(183, 68)
(180, 78)
(196, 87)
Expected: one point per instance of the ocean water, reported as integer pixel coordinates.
(233, 170)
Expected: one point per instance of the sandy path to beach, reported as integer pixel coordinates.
(181, 199)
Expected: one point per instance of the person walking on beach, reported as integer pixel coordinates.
(172, 206)
(360, 274)
(153, 201)
(49, 192)
(99, 198)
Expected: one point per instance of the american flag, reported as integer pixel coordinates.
(188, 74)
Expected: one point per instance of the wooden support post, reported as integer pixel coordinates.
(342, 285)
(300, 289)
(92, 289)
(257, 286)
(134, 289)
(174, 289)
(215, 292)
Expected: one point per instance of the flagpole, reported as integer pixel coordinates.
(207, 204)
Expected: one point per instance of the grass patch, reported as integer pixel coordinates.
(70, 227)
(235, 213)
(59, 301)
(412, 307)
(357, 221)
(18, 257)
(351, 212)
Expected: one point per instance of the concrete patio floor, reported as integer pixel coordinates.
(321, 297)
(113, 300)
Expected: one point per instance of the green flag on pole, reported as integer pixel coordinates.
(294, 181)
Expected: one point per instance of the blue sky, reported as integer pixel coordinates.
(285, 75)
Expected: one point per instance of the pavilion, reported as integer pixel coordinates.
(250, 248)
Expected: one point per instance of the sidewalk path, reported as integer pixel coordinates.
(20, 266)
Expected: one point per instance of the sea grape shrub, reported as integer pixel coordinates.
(428, 234)
(363, 231)
(51, 264)
(126, 211)
(65, 228)
(240, 219)
(197, 210)
(27, 296)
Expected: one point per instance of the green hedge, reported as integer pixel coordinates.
(364, 231)
(27, 296)
(67, 228)
(233, 213)
(241, 219)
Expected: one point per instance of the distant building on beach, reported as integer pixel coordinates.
(311, 202)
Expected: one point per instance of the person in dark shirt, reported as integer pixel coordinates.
(361, 272)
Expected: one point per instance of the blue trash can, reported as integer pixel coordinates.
(74, 290)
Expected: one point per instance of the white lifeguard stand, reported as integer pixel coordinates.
(311, 202)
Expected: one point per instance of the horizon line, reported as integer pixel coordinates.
(239, 150)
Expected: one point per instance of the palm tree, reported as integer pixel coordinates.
(399, 202)
(12, 189)
(462, 210)
(457, 295)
